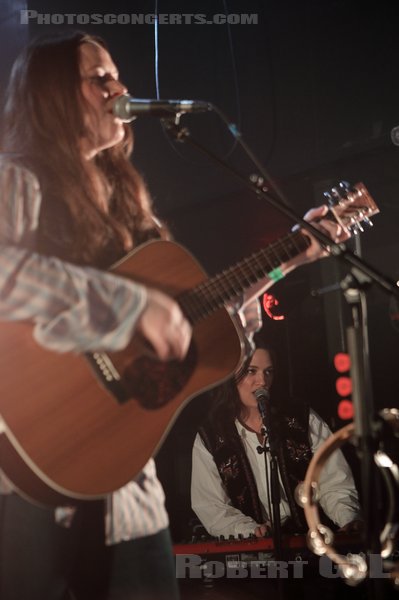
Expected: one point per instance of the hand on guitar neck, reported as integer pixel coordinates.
(337, 232)
(333, 229)
(348, 207)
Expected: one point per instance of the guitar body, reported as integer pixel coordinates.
(64, 432)
(24, 479)
(81, 426)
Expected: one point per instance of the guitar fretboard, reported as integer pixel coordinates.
(212, 294)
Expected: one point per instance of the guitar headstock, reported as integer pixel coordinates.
(351, 206)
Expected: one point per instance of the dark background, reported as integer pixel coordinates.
(314, 89)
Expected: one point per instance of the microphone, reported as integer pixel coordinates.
(262, 395)
(128, 108)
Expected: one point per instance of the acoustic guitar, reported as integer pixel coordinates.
(81, 426)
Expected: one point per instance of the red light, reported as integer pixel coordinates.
(342, 362)
(345, 410)
(343, 386)
(269, 302)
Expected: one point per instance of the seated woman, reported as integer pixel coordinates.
(230, 487)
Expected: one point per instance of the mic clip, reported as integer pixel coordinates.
(265, 447)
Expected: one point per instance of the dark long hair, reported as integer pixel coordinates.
(226, 404)
(43, 126)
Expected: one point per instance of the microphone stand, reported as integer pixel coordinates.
(367, 432)
(362, 275)
(270, 192)
(270, 445)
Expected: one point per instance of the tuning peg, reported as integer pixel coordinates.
(330, 200)
(335, 193)
(345, 186)
(368, 222)
(340, 194)
(352, 230)
(359, 228)
(355, 229)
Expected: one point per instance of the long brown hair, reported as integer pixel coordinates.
(226, 403)
(43, 126)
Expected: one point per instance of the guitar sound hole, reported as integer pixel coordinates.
(154, 383)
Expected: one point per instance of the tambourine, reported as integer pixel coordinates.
(353, 567)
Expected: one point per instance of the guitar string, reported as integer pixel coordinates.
(211, 294)
(248, 269)
(211, 289)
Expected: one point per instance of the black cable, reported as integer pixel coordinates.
(268, 489)
(235, 80)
